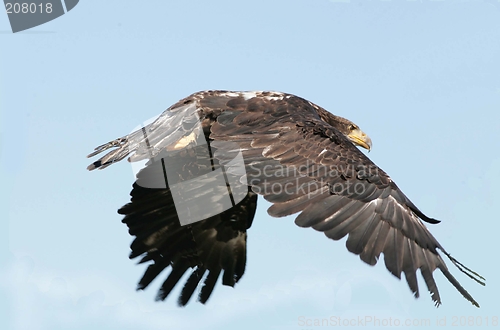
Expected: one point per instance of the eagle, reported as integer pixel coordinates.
(209, 156)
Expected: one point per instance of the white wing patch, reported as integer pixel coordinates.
(314, 105)
(230, 94)
(248, 95)
(274, 96)
(183, 142)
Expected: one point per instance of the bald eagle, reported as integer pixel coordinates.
(286, 142)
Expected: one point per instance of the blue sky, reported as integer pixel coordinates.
(422, 78)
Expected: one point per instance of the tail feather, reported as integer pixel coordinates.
(457, 285)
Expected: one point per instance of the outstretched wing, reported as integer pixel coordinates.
(302, 164)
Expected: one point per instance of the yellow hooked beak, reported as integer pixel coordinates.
(359, 138)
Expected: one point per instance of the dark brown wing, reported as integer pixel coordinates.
(206, 248)
(302, 164)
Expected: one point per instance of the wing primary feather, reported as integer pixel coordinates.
(410, 266)
(208, 285)
(151, 272)
(467, 271)
(431, 285)
(457, 285)
(426, 269)
(392, 252)
(178, 269)
(239, 268)
(228, 264)
(190, 286)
